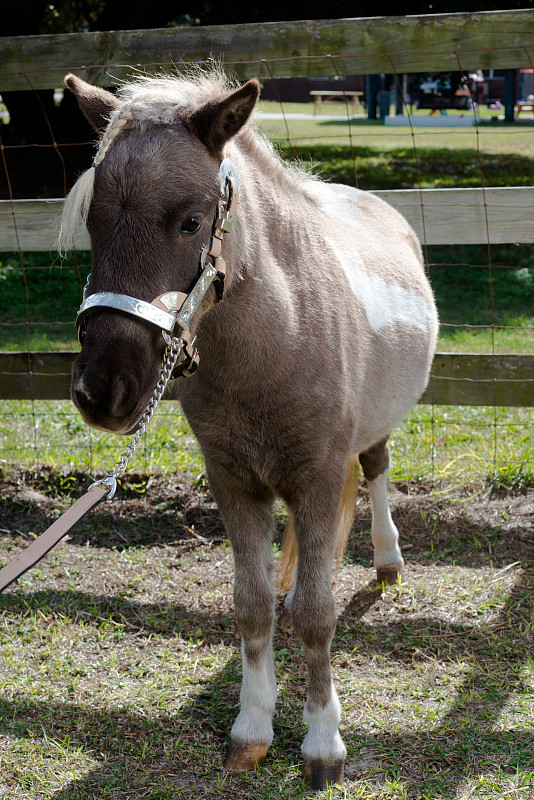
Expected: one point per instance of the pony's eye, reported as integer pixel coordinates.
(191, 224)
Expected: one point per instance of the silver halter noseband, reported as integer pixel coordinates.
(175, 309)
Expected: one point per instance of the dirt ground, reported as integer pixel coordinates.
(434, 675)
(480, 527)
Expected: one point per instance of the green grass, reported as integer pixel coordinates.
(447, 444)
(500, 301)
(382, 165)
(379, 157)
(463, 294)
(45, 294)
(340, 108)
(53, 433)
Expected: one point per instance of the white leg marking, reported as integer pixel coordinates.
(258, 699)
(384, 533)
(323, 741)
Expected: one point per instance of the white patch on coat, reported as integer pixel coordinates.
(384, 303)
(323, 741)
(258, 699)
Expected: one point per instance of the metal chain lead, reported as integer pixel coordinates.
(170, 358)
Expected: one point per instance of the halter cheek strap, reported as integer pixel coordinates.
(173, 309)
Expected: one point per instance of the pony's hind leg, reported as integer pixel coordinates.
(387, 555)
(288, 567)
(314, 619)
(250, 524)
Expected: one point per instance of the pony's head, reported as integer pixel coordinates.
(149, 202)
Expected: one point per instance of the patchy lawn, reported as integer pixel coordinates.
(120, 665)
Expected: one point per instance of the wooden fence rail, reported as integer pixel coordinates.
(457, 378)
(439, 216)
(429, 43)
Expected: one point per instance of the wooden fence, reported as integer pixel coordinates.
(430, 43)
(489, 40)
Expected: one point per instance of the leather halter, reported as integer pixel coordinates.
(173, 309)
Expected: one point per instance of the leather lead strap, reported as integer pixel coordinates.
(47, 540)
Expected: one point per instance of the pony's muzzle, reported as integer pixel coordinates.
(106, 399)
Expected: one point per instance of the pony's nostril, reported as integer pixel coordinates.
(119, 396)
(105, 393)
(82, 394)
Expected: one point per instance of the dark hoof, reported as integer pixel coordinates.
(321, 773)
(286, 620)
(389, 575)
(244, 756)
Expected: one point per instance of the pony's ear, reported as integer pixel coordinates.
(217, 121)
(96, 103)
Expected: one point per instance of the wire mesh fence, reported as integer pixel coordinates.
(484, 282)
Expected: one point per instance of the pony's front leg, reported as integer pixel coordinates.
(314, 621)
(250, 528)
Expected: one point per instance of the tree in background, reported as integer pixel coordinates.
(68, 16)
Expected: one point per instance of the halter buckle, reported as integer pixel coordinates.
(190, 365)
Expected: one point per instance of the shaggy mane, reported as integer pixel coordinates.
(163, 98)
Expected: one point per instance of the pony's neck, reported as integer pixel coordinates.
(262, 253)
(260, 162)
(275, 205)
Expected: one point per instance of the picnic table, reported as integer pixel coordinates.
(524, 105)
(321, 96)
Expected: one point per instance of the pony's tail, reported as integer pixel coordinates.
(288, 561)
(347, 508)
